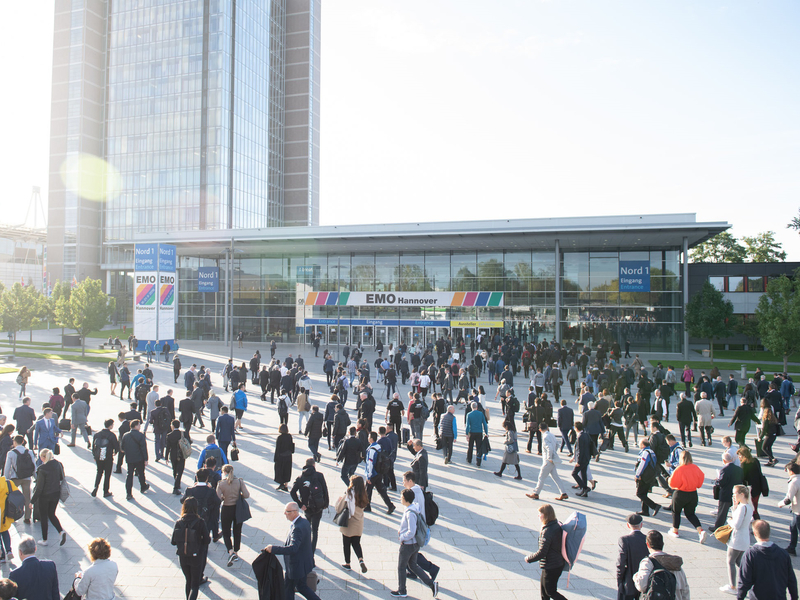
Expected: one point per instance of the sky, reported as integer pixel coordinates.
(458, 109)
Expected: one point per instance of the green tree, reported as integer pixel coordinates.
(749, 328)
(763, 248)
(22, 308)
(90, 309)
(708, 314)
(59, 306)
(722, 248)
(794, 224)
(778, 316)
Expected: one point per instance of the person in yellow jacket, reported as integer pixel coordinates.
(5, 536)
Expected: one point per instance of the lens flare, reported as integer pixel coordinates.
(91, 177)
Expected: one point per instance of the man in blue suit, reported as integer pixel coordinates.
(226, 430)
(299, 559)
(36, 579)
(46, 431)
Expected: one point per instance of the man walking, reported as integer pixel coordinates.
(25, 417)
(225, 431)
(729, 476)
(549, 467)
(475, 430)
(632, 551)
(299, 559)
(80, 414)
(310, 492)
(685, 414)
(375, 458)
(46, 432)
(19, 467)
(104, 446)
(449, 433)
(793, 498)
(160, 418)
(134, 445)
(766, 571)
(36, 579)
(409, 548)
(565, 419)
(583, 454)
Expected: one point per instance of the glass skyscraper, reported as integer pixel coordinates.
(185, 100)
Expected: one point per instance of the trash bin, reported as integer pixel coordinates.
(71, 341)
(743, 374)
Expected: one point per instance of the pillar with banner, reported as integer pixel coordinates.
(155, 296)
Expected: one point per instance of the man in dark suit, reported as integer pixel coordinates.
(299, 561)
(36, 579)
(226, 430)
(565, 420)
(685, 414)
(350, 454)
(729, 476)
(583, 454)
(632, 549)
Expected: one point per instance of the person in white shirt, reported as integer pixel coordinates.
(727, 443)
(739, 541)
(548, 468)
(409, 548)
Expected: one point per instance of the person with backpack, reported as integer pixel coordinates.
(19, 467)
(212, 450)
(660, 446)
(179, 448)
(23, 376)
(421, 500)
(229, 490)
(11, 502)
(645, 474)
(661, 575)
(311, 494)
(208, 502)
(283, 407)
(409, 546)
(549, 555)
(190, 536)
(377, 465)
(416, 415)
(104, 446)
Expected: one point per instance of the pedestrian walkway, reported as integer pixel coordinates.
(485, 529)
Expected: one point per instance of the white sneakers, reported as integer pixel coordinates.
(673, 533)
(728, 590)
(703, 537)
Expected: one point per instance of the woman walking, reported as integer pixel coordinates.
(47, 492)
(6, 553)
(769, 431)
(685, 481)
(284, 448)
(752, 476)
(551, 561)
(229, 489)
(511, 452)
(22, 380)
(112, 376)
(97, 581)
(424, 383)
(356, 500)
(57, 402)
(191, 537)
(6, 443)
(243, 375)
(739, 541)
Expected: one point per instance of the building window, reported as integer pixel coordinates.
(755, 284)
(718, 283)
(735, 284)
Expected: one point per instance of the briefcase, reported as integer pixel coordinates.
(312, 580)
(406, 435)
(65, 424)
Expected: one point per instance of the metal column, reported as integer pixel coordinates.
(685, 296)
(558, 292)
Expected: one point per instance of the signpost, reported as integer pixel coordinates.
(634, 276)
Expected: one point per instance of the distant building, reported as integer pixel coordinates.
(22, 255)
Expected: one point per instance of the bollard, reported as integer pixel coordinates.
(743, 374)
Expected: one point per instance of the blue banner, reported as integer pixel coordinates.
(167, 258)
(208, 279)
(634, 276)
(145, 257)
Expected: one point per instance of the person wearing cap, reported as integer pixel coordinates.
(632, 549)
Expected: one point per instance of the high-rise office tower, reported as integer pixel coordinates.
(179, 115)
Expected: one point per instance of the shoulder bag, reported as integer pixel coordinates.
(64, 492)
(342, 518)
(72, 594)
(242, 507)
(723, 533)
(234, 453)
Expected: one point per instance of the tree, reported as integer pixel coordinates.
(708, 314)
(763, 248)
(722, 248)
(749, 328)
(22, 307)
(59, 306)
(794, 224)
(90, 309)
(778, 315)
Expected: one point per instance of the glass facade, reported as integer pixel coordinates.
(188, 116)
(269, 293)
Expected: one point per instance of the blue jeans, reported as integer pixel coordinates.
(160, 443)
(794, 528)
(290, 585)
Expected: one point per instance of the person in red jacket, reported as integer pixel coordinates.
(685, 481)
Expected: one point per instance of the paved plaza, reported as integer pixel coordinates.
(485, 529)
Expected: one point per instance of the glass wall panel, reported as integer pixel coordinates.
(437, 270)
(463, 268)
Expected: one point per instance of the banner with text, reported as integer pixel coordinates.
(634, 276)
(208, 279)
(155, 294)
(441, 299)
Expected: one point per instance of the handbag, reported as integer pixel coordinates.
(342, 518)
(234, 453)
(242, 507)
(715, 491)
(72, 594)
(764, 486)
(64, 491)
(723, 533)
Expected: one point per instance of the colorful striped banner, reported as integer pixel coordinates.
(423, 299)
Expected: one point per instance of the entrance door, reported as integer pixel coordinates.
(405, 336)
(392, 339)
(368, 339)
(381, 334)
(430, 336)
(417, 335)
(442, 332)
(322, 332)
(355, 334)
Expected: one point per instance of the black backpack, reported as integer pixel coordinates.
(100, 444)
(431, 509)
(316, 496)
(381, 463)
(15, 504)
(661, 447)
(25, 466)
(162, 420)
(186, 539)
(662, 584)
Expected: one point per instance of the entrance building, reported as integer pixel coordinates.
(588, 279)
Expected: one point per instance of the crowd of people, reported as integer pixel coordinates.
(612, 398)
